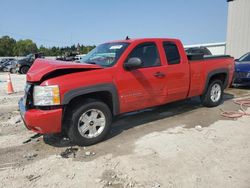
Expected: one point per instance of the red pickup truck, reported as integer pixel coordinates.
(81, 99)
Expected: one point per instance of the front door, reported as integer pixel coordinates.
(145, 86)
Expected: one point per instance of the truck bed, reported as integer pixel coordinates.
(196, 57)
(200, 68)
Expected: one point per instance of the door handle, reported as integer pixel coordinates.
(159, 74)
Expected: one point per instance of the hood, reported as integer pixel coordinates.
(43, 68)
(242, 66)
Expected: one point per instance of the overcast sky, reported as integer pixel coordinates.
(64, 22)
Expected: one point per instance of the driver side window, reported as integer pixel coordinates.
(148, 54)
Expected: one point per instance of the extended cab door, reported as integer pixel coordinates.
(177, 73)
(144, 86)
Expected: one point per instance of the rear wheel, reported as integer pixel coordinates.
(213, 96)
(24, 69)
(89, 122)
(12, 71)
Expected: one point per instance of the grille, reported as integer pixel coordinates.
(27, 99)
(241, 74)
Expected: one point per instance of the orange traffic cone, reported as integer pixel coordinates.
(9, 85)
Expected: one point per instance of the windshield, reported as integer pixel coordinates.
(106, 54)
(245, 57)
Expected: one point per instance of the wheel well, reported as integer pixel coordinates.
(223, 76)
(25, 66)
(219, 76)
(103, 96)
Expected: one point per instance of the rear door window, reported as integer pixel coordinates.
(172, 53)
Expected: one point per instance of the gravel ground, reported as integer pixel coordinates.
(178, 145)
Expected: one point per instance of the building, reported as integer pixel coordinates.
(238, 28)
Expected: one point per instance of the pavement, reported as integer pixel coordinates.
(181, 144)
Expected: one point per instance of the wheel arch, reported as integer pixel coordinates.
(107, 93)
(25, 65)
(221, 74)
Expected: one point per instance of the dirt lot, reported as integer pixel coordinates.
(178, 145)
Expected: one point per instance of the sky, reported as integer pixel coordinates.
(91, 22)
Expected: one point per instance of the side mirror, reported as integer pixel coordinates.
(133, 63)
(236, 60)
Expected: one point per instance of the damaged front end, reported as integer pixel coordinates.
(40, 107)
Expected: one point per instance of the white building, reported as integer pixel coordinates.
(238, 27)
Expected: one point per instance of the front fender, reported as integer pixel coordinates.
(108, 87)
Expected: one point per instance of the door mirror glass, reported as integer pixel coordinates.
(133, 63)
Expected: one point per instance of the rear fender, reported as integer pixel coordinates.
(214, 73)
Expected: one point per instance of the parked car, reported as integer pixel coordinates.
(68, 57)
(242, 71)
(4, 60)
(25, 63)
(81, 99)
(9, 66)
(79, 57)
(198, 50)
(3, 65)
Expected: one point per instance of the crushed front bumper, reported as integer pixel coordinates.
(41, 121)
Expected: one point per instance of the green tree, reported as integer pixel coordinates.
(6, 46)
(9, 47)
(24, 47)
(44, 50)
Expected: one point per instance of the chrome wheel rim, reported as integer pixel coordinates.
(91, 123)
(215, 92)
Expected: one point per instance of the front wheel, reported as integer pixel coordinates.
(24, 69)
(213, 96)
(89, 122)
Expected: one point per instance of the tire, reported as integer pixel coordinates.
(84, 129)
(210, 98)
(24, 69)
(12, 71)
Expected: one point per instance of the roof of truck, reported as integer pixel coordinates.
(143, 39)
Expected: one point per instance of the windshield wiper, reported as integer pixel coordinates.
(90, 62)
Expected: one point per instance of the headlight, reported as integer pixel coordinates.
(46, 95)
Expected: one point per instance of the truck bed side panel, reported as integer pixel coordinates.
(201, 70)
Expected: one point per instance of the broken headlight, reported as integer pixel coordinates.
(46, 95)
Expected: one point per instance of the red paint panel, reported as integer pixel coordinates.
(44, 121)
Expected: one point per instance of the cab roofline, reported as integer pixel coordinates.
(141, 40)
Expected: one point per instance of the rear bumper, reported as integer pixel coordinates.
(41, 121)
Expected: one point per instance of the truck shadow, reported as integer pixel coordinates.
(138, 118)
(134, 119)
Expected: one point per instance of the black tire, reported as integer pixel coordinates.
(206, 98)
(82, 109)
(24, 69)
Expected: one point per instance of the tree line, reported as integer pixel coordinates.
(12, 47)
